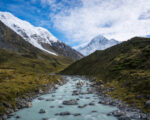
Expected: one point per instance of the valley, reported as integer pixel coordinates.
(43, 78)
(124, 68)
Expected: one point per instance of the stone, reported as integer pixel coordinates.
(82, 106)
(40, 91)
(136, 116)
(90, 90)
(52, 106)
(7, 105)
(8, 111)
(70, 102)
(11, 114)
(42, 111)
(56, 86)
(124, 118)
(44, 118)
(40, 98)
(17, 116)
(63, 113)
(75, 92)
(117, 113)
(79, 84)
(94, 111)
(147, 104)
(91, 103)
(87, 98)
(60, 106)
(29, 104)
(4, 117)
(76, 114)
(49, 99)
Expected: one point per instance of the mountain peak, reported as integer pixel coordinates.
(97, 43)
(32, 34)
(39, 37)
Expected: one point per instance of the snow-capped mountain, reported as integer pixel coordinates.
(97, 43)
(38, 36)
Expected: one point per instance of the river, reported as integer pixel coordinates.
(54, 108)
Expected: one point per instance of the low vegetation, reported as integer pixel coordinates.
(21, 74)
(125, 67)
(24, 68)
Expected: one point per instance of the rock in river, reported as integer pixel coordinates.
(63, 113)
(76, 114)
(70, 102)
(40, 98)
(82, 106)
(42, 111)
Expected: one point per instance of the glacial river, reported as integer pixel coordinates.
(53, 105)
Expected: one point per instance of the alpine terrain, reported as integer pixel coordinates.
(38, 36)
(28, 55)
(97, 43)
(124, 68)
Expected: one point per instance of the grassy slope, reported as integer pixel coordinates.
(24, 68)
(126, 67)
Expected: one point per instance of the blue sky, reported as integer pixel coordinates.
(76, 22)
(32, 11)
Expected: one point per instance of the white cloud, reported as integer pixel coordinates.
(118, 19)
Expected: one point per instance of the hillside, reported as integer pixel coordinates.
(38, 37)
(13, 43)
(24, 68)
(125, 67)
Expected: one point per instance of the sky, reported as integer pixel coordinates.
(76, 22)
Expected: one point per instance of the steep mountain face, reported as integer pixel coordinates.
(97, 43)
(16, 53)
(124, 67)
(24, 69)
(38, 37)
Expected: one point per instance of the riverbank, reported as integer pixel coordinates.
(125, 111)
(74, 100)
(75, 97)
(18, 93)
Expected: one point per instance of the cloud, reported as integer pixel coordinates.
(82, 20)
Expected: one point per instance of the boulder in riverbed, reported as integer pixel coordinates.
(60, 106)
(63, 113)
(17, 117)
(117, 113)
(49, 99)
(70, 102)
(76, 114)
(124, 118)
(75, 92)
(52, 106)
(91, 104)
(42, 111)
(82, 106)
(45, 119)
(40, 98)
(40, 91)
(29, 104)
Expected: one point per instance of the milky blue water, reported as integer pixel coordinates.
(65, 93)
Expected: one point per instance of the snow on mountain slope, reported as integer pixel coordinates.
(97, 43)
(32, 34)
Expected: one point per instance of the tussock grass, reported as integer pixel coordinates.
(125, 66)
